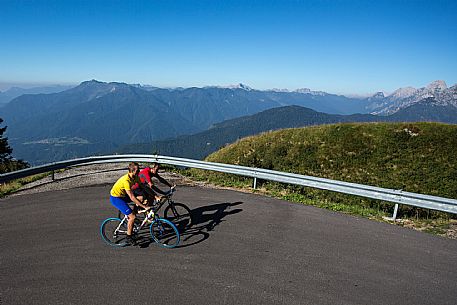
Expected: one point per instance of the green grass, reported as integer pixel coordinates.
(333, 206)
(414, 157)
(12, 186)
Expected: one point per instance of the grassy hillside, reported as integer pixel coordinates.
(415, 157)
(200, 145)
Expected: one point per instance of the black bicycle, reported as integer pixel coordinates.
(175, 212)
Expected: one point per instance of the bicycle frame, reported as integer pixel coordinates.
(137, 228)
(165, 199)
(162, 231)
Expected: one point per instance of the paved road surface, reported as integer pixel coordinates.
(243, 249)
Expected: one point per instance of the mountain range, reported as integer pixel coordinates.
(14, 92)
(103, 117)
(200, 145)
(436, 92)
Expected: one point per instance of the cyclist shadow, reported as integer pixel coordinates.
(204, 220)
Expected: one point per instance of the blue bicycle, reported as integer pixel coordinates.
(163, 232)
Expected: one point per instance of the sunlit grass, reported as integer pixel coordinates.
(12, 186)
(414, 157)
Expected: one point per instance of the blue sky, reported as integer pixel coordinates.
(347, 47)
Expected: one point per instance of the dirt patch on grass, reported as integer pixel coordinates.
(445, 228)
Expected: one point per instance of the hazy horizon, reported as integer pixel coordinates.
(6, 86)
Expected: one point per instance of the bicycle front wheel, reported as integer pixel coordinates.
(179, 214)
(114, 232)
(164, 233)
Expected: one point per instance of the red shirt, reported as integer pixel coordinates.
(145, 177)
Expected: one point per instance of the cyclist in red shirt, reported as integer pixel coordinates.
(145, 176)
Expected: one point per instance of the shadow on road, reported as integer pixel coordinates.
(204, 220)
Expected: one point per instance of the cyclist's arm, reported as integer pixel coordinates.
(148, 190)
(135, 200)
(153, 187)
(156, 189)
(163, 180)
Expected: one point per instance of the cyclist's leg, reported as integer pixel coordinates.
(149, 194)
(122, 205)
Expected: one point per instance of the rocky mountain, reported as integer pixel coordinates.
(426, 110)
(406, 97)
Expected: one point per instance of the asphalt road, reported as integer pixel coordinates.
(243, 249)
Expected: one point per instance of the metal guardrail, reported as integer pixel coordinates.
(396, 196)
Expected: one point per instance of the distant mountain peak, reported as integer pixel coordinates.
(378, 95)
(240, 86)
(437, 85)
(303, 90)
(237, 86)
(280, 90)
(91, 82)
(98, 85)
(403, 92)
(436, 93)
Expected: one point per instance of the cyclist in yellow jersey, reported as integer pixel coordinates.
(121, 194)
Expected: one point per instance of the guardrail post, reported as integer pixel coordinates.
(394, 216)
(255, 183)
(395, 212)
(52, 176)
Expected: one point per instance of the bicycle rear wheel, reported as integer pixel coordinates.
(179, 214)
(164, 233)
(113, 232)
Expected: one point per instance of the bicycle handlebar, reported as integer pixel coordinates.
(143, 211)
(171, 191)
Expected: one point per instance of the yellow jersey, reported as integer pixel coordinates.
(122, 184)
